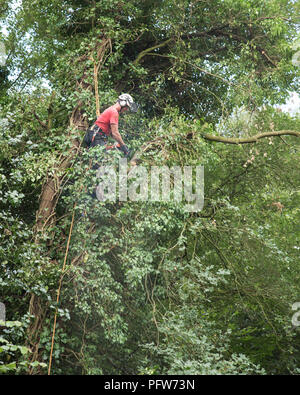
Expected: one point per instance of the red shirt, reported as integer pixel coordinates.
(109, 116)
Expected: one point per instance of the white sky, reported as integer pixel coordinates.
(292, 105)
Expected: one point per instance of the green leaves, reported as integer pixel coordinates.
(148, 287)
(9, 351)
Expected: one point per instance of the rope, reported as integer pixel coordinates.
(59, 289)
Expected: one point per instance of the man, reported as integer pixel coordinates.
(107, 123)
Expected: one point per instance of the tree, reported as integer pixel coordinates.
(142, 287)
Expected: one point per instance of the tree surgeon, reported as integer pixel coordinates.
(107, 124)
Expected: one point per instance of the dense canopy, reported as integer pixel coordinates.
(147, 287)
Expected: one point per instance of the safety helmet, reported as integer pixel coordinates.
(126, 100)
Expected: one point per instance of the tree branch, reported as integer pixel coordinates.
(146, 51)
(239, 38)
(252, 139)
(97, 64)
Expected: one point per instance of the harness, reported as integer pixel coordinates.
(97, 131)
(95, 136)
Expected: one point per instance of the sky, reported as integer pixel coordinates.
(292, 105)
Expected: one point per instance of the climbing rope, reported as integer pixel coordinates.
(59, 290)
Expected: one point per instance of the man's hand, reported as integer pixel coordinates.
(116, 135)
(125, 150)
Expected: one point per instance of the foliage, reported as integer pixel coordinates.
(10, 351)
(148, 287)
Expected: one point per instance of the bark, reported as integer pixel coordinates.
(46, 213)
(46, 217)
(51, 188)
(251, 139)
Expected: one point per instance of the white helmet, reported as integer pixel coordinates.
(126, 100)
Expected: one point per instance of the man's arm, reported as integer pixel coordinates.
(115, 134)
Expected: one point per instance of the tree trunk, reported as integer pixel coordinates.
(46, 213)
